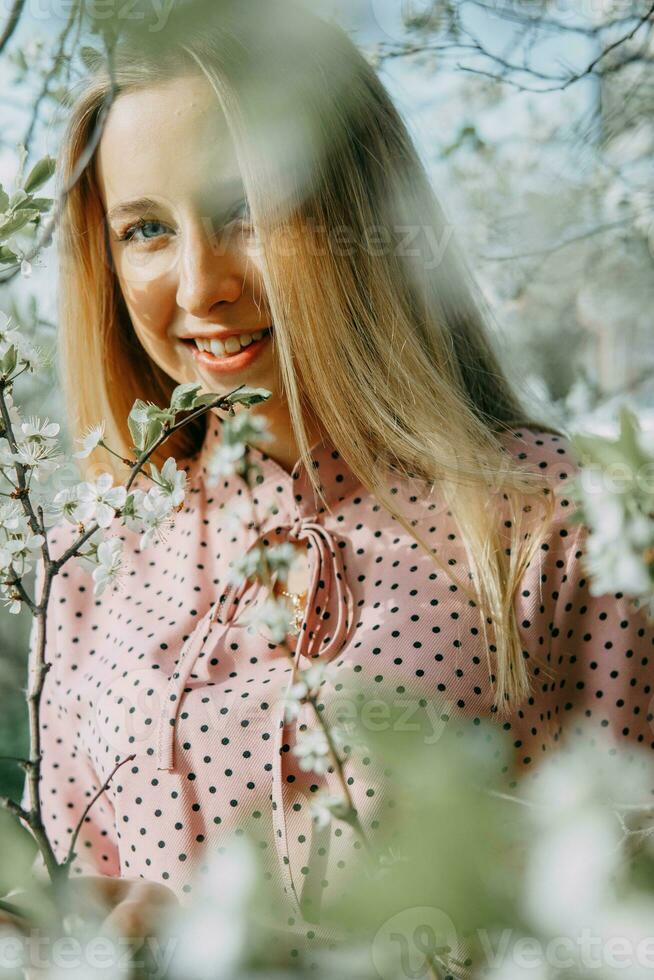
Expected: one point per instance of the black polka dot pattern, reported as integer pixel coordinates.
(166, 668)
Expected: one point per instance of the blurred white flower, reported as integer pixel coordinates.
(293, 701)
(280, 558)
(312, 751)
(272, 615)
(245, 566)
(237, 513)
(236, 432)
(325, 806)
(225, 461)
(212, 933)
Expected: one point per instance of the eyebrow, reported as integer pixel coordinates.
(140, 204)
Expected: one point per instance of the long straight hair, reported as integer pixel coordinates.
(387, 346)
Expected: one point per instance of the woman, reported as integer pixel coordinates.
(204, 241)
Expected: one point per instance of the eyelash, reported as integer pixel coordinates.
(242, 209)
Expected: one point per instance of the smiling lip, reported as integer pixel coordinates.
(222, 334)
(230, 363)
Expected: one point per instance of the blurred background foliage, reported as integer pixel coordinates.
(535, 121)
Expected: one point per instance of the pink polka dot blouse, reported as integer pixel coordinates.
(166, 668)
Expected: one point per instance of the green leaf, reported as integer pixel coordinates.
(4, 199)
(91, 57)
(40, 203)
(9, 361)
(21, 150)
(40, 174)
(7, 257)
(183, 397)
(17, 198)
(248, 396)
(136, 424)
(17, 221)
(153, 431)
(203, 400)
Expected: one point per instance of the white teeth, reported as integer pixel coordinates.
(232, 344)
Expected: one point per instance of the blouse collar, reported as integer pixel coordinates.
(337, 480)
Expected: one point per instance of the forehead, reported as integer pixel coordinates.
(170, 140)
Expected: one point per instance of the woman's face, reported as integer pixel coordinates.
(183, 250)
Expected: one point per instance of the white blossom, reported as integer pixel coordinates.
(42, 458)
(245, 566)
(14, 413)
(152, 515)
(90, 440)
(37, 430)
(66, 503)
(273, 615)
(325, 806)
(308, 680)
(11, 336)
(312, 751)
(103, 498)
(16, 553)
(110, 564)
(236, 433)
(13, 519)
(224, 461)
(280, 558)
(87, 553)
(293, 700)
(173, 482)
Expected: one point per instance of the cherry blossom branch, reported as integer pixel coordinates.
(351, 816)
(32, 816)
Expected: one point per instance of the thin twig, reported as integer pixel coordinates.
(352, 817)
(71, 850)
(12, 23)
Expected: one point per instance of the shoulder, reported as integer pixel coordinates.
(552, 456)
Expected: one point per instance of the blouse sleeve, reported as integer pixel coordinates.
(68, 778)
(589, 657)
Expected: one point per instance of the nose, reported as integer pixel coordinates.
(209, 274)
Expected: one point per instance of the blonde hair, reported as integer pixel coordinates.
(391, 356)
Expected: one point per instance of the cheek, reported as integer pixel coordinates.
(151, 301)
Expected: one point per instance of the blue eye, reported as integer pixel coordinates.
(242, 211)
(142, 231)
